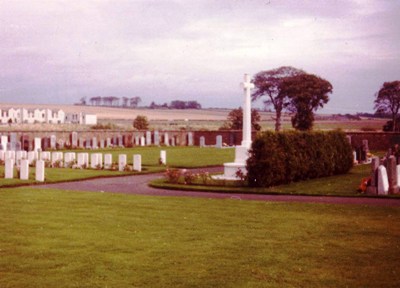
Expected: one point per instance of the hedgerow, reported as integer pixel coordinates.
(281, 158)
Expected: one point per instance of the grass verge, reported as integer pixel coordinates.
(338, 185)
(52, 238)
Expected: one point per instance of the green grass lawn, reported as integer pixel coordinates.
(184, 157)
(338, 185)
(51, 238)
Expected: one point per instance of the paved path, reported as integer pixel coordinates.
(137, 184)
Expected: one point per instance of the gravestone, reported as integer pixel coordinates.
(156, 138)
(39, 171)
(18, 157)
(163, 157)
(190, 139)
(87, 144)
(120, 141)
(173, 141)
(166, 139)
(81, 143)
(202, 141)
(137, 162)
(74, 139)
(13, 141)
(9, 169)
(219, 142)
(392, 175)
(94, 160)
(2, 155)
(383, 183)
(18, 146)
(32, 156)
(107, 161)
(137, 140)
(81, 159)
(102, 144)
(1, 147)
(45, 155)
(365, 146)
(10, 154)
(69, 158)
(9, 147)
(148, 138)
(142, 141)
(100, 159)
(108, 143)
(37, 146)
(53, 142)
(55, 157)
(61, 144)
(4, 141)
(121, 162)
(94, 143)
(24, 170)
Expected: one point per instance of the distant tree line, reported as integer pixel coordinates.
(111, 101)
(176, 104)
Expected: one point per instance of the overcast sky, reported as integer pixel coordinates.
(60, 51)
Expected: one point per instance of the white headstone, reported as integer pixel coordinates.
(94, 143)
(32, 156)
(137, 140)
(156, 138)
(148, 138)
(107, 161)
(74, 139)
(45, 155)
(108, 143)
(9, 169)
(10, 155)
(219, 141)
(383, 183)
(2, 155)
(4, 141)
(39, 171)
(142, 141)
(163, 157)
(69, 157)
(121, 162)
(37, 144)
(166, 139)
(137, 162)
(102, 143)
(19, 155)
(53, 141)
(202, 141)
(94, 160)
(190, 139)
(81, 159)
(24, 170)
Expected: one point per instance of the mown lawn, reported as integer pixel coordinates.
(184, 157)
(51, 238)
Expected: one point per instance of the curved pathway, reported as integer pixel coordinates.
(138, 184)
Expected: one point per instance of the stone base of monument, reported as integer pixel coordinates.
(231, 169)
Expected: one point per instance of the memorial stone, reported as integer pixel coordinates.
(94, 160)
(81, 143)
(121, 162)
(142, 141)
(74, 139)
(53, 142)
(156, 138)
(107, 161)
(383, 183)
(166, 139)
(69, 159)
(87, 144)
(4, 141)
(137, 162)
(45, 155)
(163, 157)
(81, 159)
(9, 168)
(202, 141)
(120, 141)
(173, 141)
(219, 141)
(37, 144)
(102, 146)
(24, 170)
(94, 143)
(39, 171)
(148, 138)
(13, 141)
(18, 146)
(392, 175)
(108, 144)
(190, 139)
(137, 140)
(9, 147)
(32, 156)
(2, 155)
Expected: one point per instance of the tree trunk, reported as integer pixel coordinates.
(278, 120)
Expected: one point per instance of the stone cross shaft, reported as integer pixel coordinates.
(247, 86)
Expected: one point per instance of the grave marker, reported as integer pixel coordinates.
(383, 183)
(121, 162)
(24, 170)
(9, 169)
(163, 157)
(219, 141)
(137, 162)
(39, 171)
(202, 141)
(107, 161)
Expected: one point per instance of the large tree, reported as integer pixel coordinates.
(235, 120)
(306, 93)
(388, 100)
(268, 85)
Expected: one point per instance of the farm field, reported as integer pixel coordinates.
(165, 119)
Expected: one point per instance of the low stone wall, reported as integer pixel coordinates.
(376, 140)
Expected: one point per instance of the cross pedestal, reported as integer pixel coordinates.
(241, 152)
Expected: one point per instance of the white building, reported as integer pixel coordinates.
(32, 116)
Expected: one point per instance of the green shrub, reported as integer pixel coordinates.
(279, 158)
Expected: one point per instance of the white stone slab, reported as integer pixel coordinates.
(45, 155)
(166, 139)
(81, 159)
(24, 170)
(69, 157)
(137, 162)
(4, 141)
(142, 141)
(39, 173)
(37, 144)
(94, 160)
(10, 155)
(383, 183)
(163, 157)
(2, 155)
(121, 162)
(32, 156)
(107, 161)
(9, 168)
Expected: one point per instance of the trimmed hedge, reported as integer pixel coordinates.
(281, 158)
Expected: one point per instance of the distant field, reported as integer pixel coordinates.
(165, 119)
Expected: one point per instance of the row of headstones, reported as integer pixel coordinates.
(96, 161)
(385, 176)
(119, 141)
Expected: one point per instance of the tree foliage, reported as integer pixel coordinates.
(235, 120)
(268, 86)
(306, 93)
(141, 123)
(388, 101)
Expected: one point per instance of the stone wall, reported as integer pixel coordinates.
(376, 140)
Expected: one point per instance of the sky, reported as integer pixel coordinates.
(60, 51)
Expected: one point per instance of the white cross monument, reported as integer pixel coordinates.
(241, 152)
